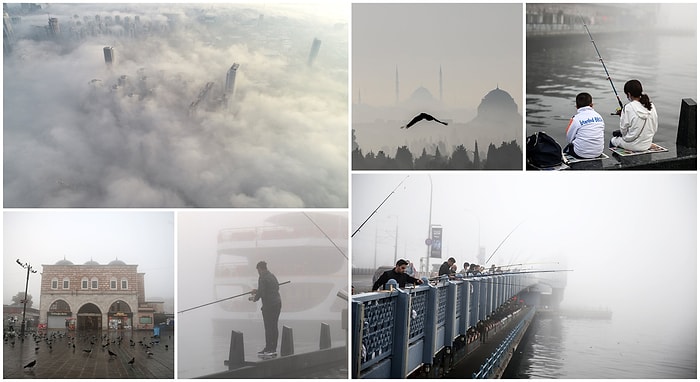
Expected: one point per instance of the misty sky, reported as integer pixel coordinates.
(45, 237)
(283, 143)
(478, 45)
(618, 231)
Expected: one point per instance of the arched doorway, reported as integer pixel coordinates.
(120, 316)
(58, 315)
(89, 317)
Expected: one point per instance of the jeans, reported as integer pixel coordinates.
(271, 316)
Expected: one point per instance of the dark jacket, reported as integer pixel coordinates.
(268, 289)
(391, 274)
(445, 269)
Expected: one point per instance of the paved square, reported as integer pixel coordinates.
(56, 357)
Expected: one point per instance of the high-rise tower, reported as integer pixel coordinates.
(8, 35)
(315, 46)
(54, 29)
(109, 55)
(229, 88)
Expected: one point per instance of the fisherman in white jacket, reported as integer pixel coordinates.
(586, 131)
(638, 120)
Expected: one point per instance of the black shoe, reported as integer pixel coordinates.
(261, 352)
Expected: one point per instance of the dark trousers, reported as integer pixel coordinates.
(271, 317)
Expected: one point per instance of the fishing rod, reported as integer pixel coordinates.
(503, 241)
(378, 207)
(224, 299)
(602, 62)
(327, 237)
(435, 278)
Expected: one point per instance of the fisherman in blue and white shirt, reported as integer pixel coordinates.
(586, 131)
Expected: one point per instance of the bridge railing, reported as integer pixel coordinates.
(396, 332)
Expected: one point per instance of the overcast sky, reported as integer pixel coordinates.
(478, 45)
(619, 232)
(89, 147)
(45, 237)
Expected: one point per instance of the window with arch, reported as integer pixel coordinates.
(125, 284)
(93, 283)
(84, 283)
(66, 283)
(54, 283)
(113, 283)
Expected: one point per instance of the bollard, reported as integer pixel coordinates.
(287, 347)
(687, 134)
(236, 355)
(325, 342)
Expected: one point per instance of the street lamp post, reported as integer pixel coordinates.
(29, 269)
(430, 223)
(396, 238)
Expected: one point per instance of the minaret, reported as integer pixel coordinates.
(397, 84)
(440, 83)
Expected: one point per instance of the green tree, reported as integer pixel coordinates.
(404, 158)
(17, 299)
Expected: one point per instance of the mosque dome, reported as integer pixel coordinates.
(116, 262)
(421, 95)
(497, 101)
(91, 262)
(64, 262)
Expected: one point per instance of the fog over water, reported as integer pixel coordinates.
(630, 240)
(142, 144)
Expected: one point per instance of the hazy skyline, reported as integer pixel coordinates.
(478, 46)
(140, 144)
(41, 238)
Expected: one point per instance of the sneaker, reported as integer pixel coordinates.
(270, 354)
(261, 352)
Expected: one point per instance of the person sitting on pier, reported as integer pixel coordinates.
(638, 120)
(446, 267)
(398, 273)
(586, 131)
(466, 269)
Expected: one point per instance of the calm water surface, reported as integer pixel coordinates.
(575, 348)
(560, 67)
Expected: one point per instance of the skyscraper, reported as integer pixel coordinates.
(8, 35)
(54, 30)
(315, 46)
(109, 55)
(231, 80)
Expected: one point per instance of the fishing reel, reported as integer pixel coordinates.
(618, 111)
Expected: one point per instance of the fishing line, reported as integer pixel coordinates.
(503, 241)
(327, 237)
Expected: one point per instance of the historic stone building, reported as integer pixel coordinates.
(92, 296)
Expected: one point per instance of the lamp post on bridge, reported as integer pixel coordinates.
(430, 226)
(29, 269)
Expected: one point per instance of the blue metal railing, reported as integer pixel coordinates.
(397, 332)
(495, 361)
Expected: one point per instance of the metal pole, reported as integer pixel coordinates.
(24, 308)
(396, 240)
(430, 223)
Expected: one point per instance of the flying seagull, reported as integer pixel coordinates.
(421, 117)
(30, 364)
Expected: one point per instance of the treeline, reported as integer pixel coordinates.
(508, 156)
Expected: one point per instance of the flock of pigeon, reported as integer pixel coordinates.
(146, 344)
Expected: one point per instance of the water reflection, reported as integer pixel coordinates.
(559, 67)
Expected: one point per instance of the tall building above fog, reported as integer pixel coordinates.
(109, 55)
(8, 34)
(315, 46)
(54, 29)
(231, 80)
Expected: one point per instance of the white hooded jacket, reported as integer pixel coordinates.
(638, 126)
(587, 132)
